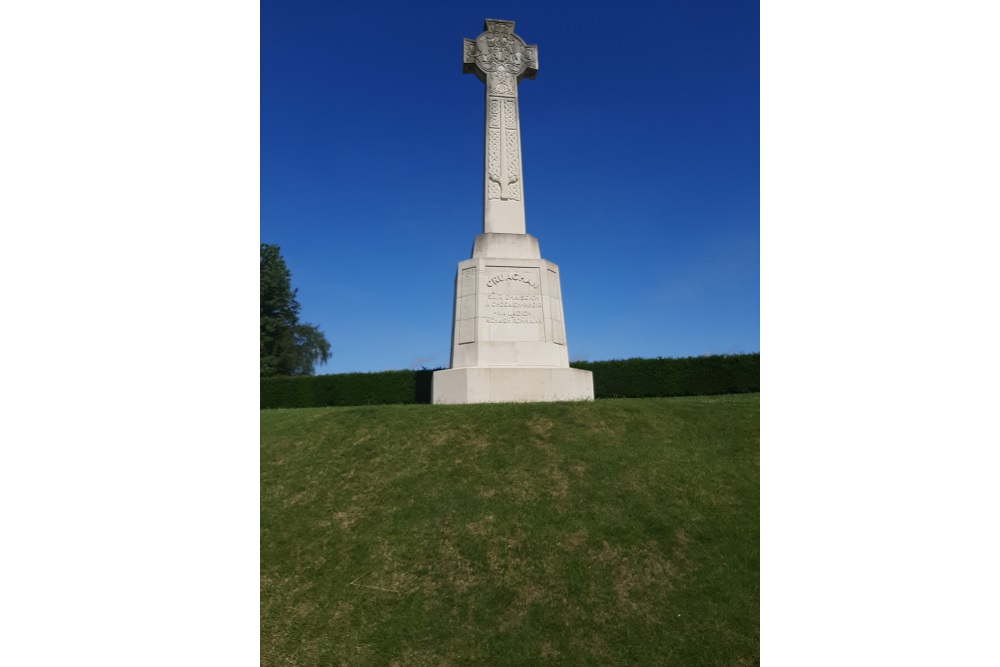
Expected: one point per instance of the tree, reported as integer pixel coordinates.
(287, 346)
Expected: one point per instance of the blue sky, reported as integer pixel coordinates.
(640, 143)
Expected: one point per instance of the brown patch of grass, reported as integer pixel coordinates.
(649, 572)
(345, 519)
(386, 576)
(526, 596)
(413, 657)
(607, 555)
(560, 483)
(479, 528)
(299, 497)
(464, 437)
(375, 434)
(573, 540)
(540, 426)
(522, 488)
(642, 577)
(597, 647)
(456, 569)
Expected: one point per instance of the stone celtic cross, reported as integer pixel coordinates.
(500, 59)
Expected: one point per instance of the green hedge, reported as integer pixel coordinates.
(620, 378)
(346, 389)
(690, 376)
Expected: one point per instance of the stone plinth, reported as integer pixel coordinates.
(512, 385)
(508, 336)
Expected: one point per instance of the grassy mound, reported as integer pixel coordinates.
(619, 532)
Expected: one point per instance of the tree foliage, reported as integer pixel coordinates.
(287, 346)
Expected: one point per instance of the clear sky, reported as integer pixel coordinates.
(640, 144)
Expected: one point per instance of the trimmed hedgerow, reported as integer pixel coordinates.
(346, 389)
(619, 378)
(690, 376)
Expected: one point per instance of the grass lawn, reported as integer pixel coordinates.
(618, 532)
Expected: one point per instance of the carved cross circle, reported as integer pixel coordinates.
(501, 53)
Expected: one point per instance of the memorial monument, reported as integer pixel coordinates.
(508, 340)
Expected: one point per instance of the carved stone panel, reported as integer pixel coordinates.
(512, 304)
(558, 330)
(510, 114)
(469, 281)
(503, 154)
(466, 307)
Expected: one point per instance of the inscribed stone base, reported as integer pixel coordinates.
(508, 310)
(512, 385)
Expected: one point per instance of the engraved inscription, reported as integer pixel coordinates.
(498, 278)
(512, 304)
(513, 309)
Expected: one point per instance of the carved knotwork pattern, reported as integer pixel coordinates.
(501, 83)
(513, 191)
(495, 113)
(509, 113)
(493, 158)
(499, 157)
(513, 159)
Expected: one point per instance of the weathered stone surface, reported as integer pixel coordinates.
(508, 338)
(519, 246)
(512, 385)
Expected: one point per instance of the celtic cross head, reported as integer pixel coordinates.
(499, 58)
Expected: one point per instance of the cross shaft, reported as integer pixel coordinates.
(500, 59)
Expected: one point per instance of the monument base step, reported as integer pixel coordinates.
(512, 385)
